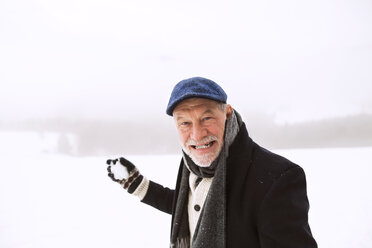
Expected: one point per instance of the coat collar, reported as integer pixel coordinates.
(240, 158)
(242, 147)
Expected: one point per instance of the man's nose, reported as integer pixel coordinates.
(198, 132)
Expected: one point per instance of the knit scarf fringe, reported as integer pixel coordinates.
(181, 243)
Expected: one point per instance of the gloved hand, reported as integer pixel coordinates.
(125, 173)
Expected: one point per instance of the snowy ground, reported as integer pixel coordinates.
(49, 200)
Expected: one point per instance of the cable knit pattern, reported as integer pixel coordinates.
(141, 190)
(197, 197)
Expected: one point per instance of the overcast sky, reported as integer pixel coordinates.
(294, 60)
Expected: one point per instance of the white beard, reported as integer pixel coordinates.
(206, 159)
(203, 161)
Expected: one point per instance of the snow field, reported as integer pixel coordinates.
(49, 200)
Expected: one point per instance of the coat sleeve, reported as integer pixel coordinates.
(283, 216)
(159, 197)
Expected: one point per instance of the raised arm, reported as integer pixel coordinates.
(125, 173)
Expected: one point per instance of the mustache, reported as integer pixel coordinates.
(206, 140)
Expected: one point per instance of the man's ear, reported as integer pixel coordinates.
(229, 111)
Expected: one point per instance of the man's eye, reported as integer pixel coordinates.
(207, 118)
(185, 123)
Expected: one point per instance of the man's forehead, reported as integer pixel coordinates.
(194, 103)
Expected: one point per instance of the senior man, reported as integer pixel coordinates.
(230, 192)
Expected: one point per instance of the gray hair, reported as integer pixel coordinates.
(222, 106)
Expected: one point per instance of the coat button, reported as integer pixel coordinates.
(197, 208)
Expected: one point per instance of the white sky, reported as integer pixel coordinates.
(295, 60)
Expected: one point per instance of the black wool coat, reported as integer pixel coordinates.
(267, 204)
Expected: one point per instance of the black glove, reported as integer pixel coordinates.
(125, 173)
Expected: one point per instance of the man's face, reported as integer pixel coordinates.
(201, 124)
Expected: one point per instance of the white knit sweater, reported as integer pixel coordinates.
(197, 196)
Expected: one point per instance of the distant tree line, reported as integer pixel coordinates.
(102, 137)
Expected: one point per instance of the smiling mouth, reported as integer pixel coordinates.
(203, 146)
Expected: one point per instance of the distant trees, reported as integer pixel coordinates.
(102, 137)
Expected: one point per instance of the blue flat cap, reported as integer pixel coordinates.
(195, 87)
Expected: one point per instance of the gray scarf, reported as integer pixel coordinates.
(210, 230)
